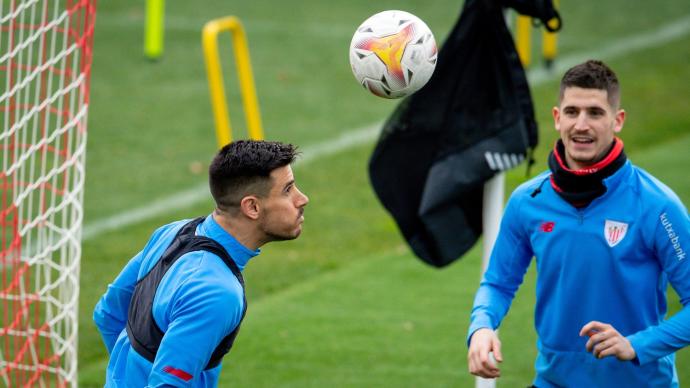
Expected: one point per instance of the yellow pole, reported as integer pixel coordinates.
(523, 39)
(245, 75)
(550, 41)
(154, 28)
(215, 83)
(246, 80)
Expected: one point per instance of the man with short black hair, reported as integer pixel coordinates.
(175, 309)
(608, 238)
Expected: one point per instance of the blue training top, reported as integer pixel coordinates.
(198, 302)
(610, 262)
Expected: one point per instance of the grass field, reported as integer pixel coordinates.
(346, 304)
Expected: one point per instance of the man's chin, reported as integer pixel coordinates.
(582, 159)
(285, 236)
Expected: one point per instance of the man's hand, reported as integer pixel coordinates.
(605, 340)
(479, 361)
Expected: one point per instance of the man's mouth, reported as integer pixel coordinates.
(582, 139)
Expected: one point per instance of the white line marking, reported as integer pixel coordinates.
(617, 48)
(199, 193)
(536, 76)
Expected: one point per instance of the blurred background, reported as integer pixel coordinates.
(347, 304)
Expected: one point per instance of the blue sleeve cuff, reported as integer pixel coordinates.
(479, 322)
(638, 343)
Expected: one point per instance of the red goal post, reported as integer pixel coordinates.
(45, 62)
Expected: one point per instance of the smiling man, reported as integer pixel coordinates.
(608, 238)
(175, 309)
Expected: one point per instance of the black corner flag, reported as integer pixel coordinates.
(473, 119)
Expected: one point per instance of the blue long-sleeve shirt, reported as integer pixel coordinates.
(611, 262)
(198, 302)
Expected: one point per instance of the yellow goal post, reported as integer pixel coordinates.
(215, 78)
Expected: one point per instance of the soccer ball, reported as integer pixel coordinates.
(393, 54)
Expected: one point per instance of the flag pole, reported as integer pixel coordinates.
(492, 210)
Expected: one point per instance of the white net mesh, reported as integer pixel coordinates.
(45, 58)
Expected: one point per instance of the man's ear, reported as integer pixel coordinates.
(556, 113)
(250, 206)
(620, 119)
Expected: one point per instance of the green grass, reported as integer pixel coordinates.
(346, 304)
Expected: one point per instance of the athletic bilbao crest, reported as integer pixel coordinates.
(615, 232)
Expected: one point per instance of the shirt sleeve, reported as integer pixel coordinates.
(671, 244)
(508, 263)
(202, 315)
(110, 314)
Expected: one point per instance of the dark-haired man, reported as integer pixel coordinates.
(608, 238)
(175, 309)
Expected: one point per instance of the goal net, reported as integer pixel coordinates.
(45, 60)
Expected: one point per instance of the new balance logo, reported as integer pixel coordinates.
(547, 226)
(501, 162)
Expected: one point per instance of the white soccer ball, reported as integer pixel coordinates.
(393, 54)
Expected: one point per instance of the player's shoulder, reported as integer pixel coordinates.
(528, 187)
(651, 190)
(169, 230)
(207, 270)
(521, 196)
(158, 242)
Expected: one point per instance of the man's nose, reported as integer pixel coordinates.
(303, 200)
(582, 122)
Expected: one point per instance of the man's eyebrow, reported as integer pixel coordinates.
(290, 183)
(589, 107)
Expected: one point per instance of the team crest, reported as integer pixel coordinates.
(614, 232)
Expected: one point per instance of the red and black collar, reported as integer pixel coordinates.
(579, 187)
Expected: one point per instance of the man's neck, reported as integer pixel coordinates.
(241, 231)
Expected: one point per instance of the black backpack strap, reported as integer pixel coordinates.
(144, 334)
